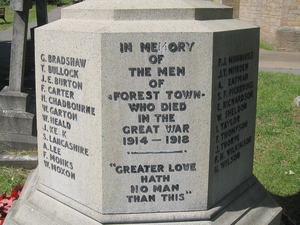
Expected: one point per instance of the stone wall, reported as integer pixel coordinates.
(279, 20)
(290, 13)
(288, 34)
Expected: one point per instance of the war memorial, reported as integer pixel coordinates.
(145, 115)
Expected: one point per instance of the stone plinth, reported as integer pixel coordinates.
(15, 122)
(16, 119)
(244, 206)
(287, 38)
(12, 100)
(146, 114)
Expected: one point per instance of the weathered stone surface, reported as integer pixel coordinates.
(14, 104)
(279, 20)
(20, 5)
(16, 122)
(19, 161)
(13, 100)
(110, 86)
(146, 119)
(17, 142)
(18, 51)
(145, 10)
(253, 206)
(287, 38)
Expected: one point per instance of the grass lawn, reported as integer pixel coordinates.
(266, 46)
(277, 144)
(10, 177)
(9, 15)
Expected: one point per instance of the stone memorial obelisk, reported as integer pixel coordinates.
(146, 115)
(17, 124)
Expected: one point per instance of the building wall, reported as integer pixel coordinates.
(279, 20)
(290, 13)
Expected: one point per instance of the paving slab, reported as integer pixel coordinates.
(279, 61)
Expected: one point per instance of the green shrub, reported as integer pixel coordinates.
(49, 2)
(59, 2)
(4, 2)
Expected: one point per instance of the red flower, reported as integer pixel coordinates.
(6, 201)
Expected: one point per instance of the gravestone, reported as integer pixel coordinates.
(17, 120)
(41, 12)
(146, 114)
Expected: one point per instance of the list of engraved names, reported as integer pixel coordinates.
(61, 82)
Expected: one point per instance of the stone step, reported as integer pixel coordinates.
(16, 122)
(19, 161)
(144, 10)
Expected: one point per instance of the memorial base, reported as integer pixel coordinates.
(17, 121)
(14, 100)
(248, 204)
(17, 142)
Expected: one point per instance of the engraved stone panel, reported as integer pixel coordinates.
(157, 121)
(146, 114)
